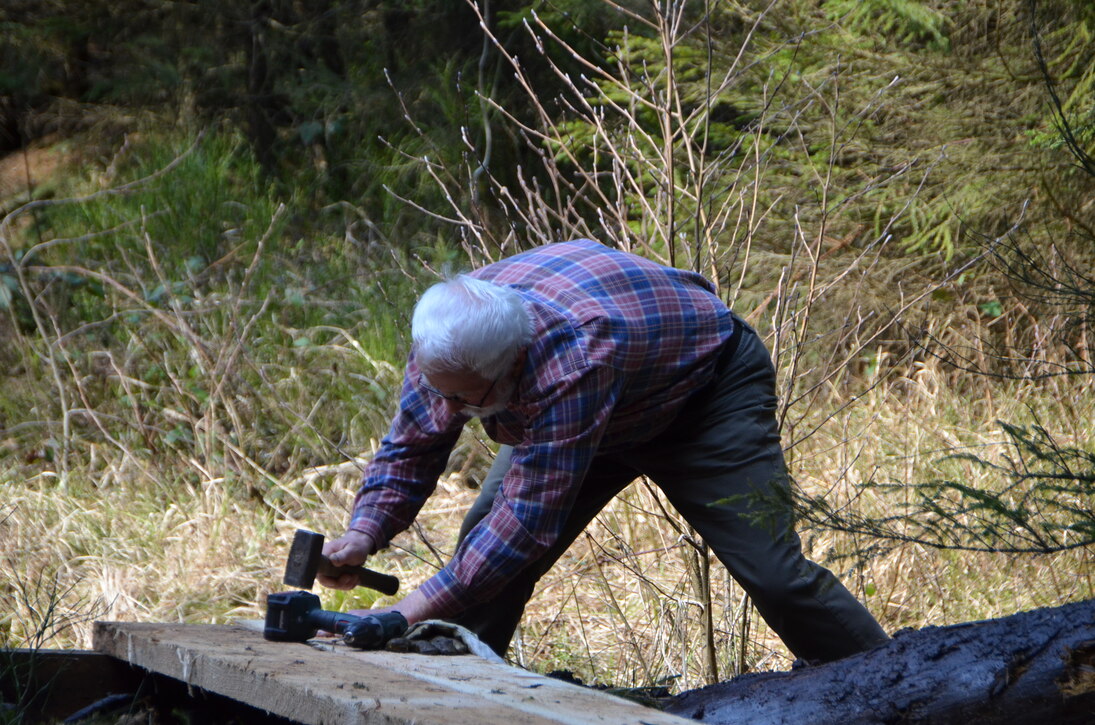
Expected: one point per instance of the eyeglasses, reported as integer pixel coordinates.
(458, 399)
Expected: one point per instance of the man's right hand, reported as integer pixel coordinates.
(350, 549)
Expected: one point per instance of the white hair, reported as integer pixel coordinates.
(468, 325)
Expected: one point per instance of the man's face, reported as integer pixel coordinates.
(470, 393)
(496, 401)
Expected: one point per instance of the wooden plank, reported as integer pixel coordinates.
(326, 683)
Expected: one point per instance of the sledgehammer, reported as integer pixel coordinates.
(306, 559)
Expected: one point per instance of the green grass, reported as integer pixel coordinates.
(190, 370)
(211, 371)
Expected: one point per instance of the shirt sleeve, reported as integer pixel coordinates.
(404, 472)
(535, 497)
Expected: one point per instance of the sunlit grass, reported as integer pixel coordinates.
(176, 422)
(188, 533)
(901, 433)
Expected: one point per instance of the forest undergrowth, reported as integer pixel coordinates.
(198, 358)
(142, 535)
(158, 459)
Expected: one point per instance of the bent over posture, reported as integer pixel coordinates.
(593, 367)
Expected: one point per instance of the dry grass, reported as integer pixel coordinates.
(625, 609)
(160, 478)
(157, 473)
(135, 540)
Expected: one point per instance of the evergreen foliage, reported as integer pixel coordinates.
(1043, 503)
(1041, 506)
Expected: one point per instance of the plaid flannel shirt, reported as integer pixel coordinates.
(619, 343)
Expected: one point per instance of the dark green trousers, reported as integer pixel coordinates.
(723, 445)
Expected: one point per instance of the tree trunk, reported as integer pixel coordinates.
(1036, 666)
(261, 106)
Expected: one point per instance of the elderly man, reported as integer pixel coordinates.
(593, 367)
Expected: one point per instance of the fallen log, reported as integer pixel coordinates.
(1035, 666)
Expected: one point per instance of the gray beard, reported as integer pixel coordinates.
(502, 394)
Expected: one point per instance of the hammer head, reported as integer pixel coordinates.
(304, 559)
